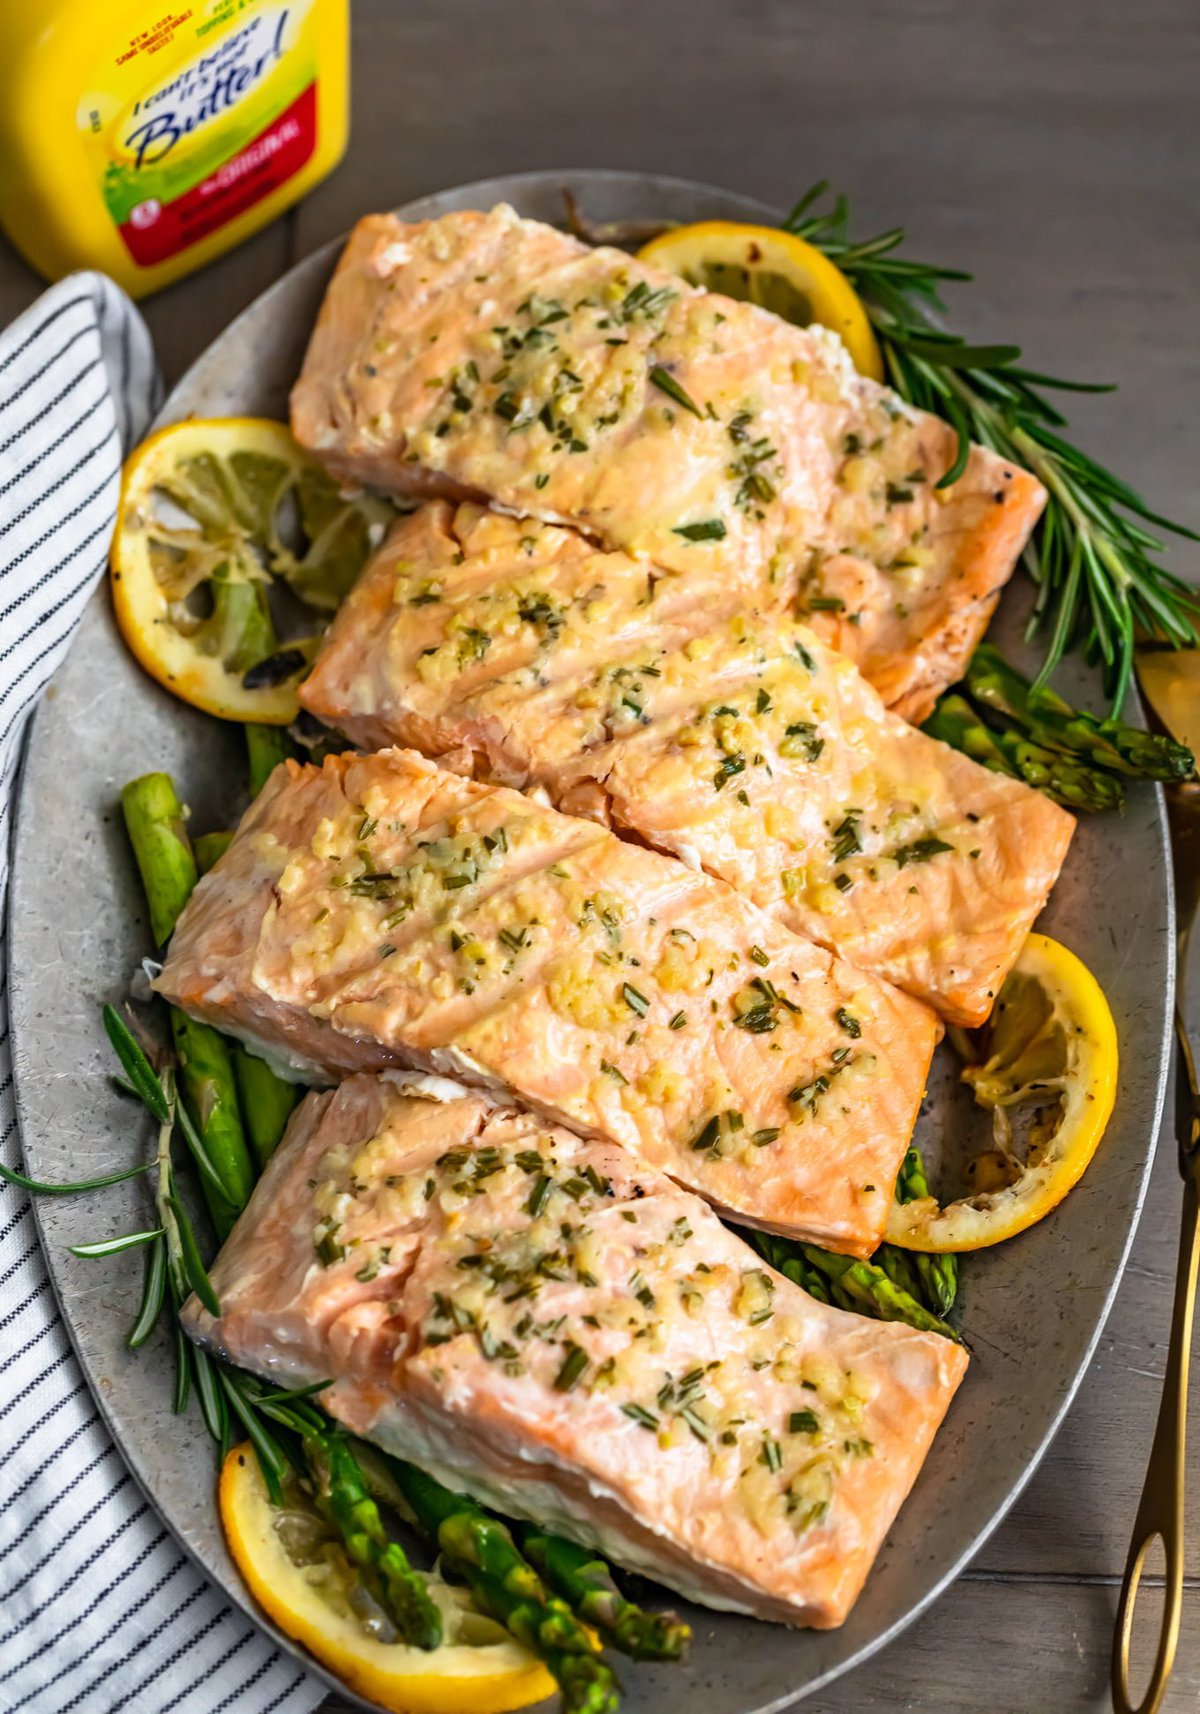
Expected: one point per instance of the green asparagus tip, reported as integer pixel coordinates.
(342, 1496)
(1049, 721)
(157, 827)
(652, 1636)
(586, 1583)
(587, 1684)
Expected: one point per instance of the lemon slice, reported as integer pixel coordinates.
(1046, 1065)
(782, 273)
(291, 1568)
(215, 517)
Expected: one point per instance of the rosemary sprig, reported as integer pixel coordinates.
(1090, 555)
(154, 1290)
(36, 1187)
(116, 1246)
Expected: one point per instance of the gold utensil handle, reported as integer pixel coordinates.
(1160, 1512)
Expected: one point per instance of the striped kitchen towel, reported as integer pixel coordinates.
(99, 1608)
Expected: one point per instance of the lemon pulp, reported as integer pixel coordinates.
(291, 1567)
(218, 518)
(1045, 1067)
(774, 269)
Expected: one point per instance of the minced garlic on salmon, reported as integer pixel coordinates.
(379, 910)
(559, 1330)
(736, 741)
(482, 354)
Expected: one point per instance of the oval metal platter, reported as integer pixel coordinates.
(1032, 1310)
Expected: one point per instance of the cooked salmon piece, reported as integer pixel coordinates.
(484, 355)
(556, 1328)
(379, 911)
(737, 741)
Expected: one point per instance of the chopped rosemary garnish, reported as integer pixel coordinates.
(731, 765)
(920, 851)
(329, 1250)
(709, 530)
(666, 383)
(571, 1372)
(801, 741)
(639, 1414)
(845, 841)
(707, 1135)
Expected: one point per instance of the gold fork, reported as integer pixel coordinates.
(1170, 681)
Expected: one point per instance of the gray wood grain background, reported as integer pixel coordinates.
(1053, 148)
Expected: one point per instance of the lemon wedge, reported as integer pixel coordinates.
(763, 265)
(291, 1568)
(1045, 1066)
(215, 516)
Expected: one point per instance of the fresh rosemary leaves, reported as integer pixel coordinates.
(1090, 555)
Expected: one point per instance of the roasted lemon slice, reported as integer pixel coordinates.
(215, 517)
(762, 265)
(1045, 1067)
(295, 1572)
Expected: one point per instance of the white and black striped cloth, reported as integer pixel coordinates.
(99, 1608)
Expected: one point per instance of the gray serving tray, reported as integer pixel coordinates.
(1032, 1310)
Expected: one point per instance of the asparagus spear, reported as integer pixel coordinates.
(899, 1267)
(208, 847)
(1064, 778)
(207, 1086)
(956, 723)
(786, 1259)
(938, 1275)
(1052, 722)
(862, 1286)
(586, 1583)
(155, 820)
(847, 1283)
(266, 747)
(266, 1103)
(342, 1498)
(482, 1550)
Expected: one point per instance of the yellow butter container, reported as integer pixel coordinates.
(145, 137)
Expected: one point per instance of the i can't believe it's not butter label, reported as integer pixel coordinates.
(198, 117)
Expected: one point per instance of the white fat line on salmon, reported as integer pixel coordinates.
(427, 1085)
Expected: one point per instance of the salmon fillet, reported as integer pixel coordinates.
(556, 1328)
(380, 911)
(485, 355)
(737, 741)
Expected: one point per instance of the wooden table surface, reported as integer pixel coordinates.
(1050, 146)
